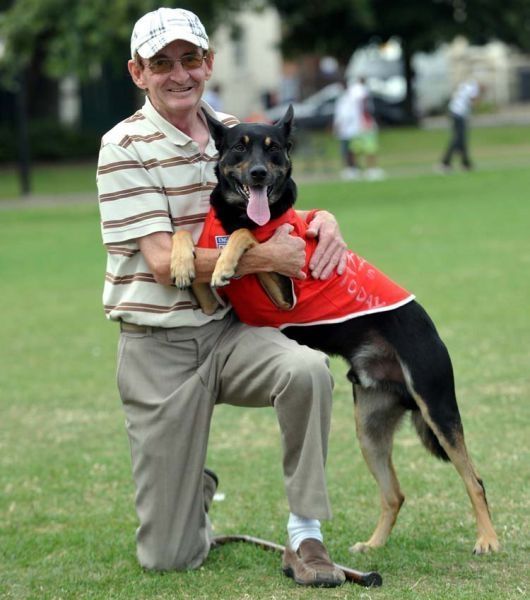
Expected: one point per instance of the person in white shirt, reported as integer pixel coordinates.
(357, 130)
(466, 93)
(346, 124)
(365, 143)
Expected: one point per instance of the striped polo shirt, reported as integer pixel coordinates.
(151, 177)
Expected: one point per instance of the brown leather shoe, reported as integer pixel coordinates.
(311, 565)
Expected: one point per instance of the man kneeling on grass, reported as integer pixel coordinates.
(155, 175)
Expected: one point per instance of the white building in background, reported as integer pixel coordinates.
(492, 65)
(438, 73)
(248, 65)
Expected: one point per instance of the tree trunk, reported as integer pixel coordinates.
(24, 161)
(410, 98)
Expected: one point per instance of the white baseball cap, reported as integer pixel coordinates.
(159, 28)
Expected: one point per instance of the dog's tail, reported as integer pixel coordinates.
(429, 440)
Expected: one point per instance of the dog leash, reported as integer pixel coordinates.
(370, 579)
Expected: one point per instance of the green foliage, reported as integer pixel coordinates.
(50, 140)
(339, 27)
(334, 27)
(508, 21)
(78, 36)
(72, 39)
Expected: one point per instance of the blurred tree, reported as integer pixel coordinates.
(423, 25)
(73, 38)
(338, 27)
(334, 27)
(77, 36)
(484, 20)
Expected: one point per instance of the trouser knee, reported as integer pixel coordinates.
(309, 365)
(305, 375)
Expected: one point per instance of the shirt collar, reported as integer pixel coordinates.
(170, 131)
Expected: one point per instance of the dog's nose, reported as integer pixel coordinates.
(258, 173)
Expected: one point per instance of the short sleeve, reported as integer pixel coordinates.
(132, 203)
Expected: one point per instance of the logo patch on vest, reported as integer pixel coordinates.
(221, 241)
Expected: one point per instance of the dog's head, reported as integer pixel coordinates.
(254, 164)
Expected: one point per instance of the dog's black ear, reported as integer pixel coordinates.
(286, 122)
(217, 129)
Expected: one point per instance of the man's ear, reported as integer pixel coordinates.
(217, 129)
(208, 63)
(136, 74)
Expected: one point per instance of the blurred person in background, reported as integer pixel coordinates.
(465, 95)
(365, 142)
(346, 124)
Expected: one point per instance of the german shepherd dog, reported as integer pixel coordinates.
(397, 361)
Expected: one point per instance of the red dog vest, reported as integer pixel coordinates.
(360, 290)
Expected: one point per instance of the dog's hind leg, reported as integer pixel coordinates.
(377, 415)
(429, 379)
(435, 396)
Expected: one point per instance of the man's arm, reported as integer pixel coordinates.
(282, 253)
(156, 250)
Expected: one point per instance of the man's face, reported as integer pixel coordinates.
(178, 91)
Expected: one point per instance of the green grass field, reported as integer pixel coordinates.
(67, 522)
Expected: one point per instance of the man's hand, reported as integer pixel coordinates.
(331, 250)
(286, 252)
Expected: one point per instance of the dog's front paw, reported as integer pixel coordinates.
(221, 277)
(183, 280)
(182, 270)
(182, 259)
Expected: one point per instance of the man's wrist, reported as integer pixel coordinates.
(255, 260)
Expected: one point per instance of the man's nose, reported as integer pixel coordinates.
(178, 70)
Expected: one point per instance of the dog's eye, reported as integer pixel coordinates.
(274, 148)
(239, 148)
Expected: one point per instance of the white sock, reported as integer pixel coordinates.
(300, 528)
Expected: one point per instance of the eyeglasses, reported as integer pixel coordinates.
(163, 64)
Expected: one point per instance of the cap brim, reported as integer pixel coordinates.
(153, 46)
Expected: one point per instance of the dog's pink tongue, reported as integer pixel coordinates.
(258, 206)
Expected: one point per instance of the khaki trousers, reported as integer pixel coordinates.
(170, 380)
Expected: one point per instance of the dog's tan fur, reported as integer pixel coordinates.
(183, 269)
